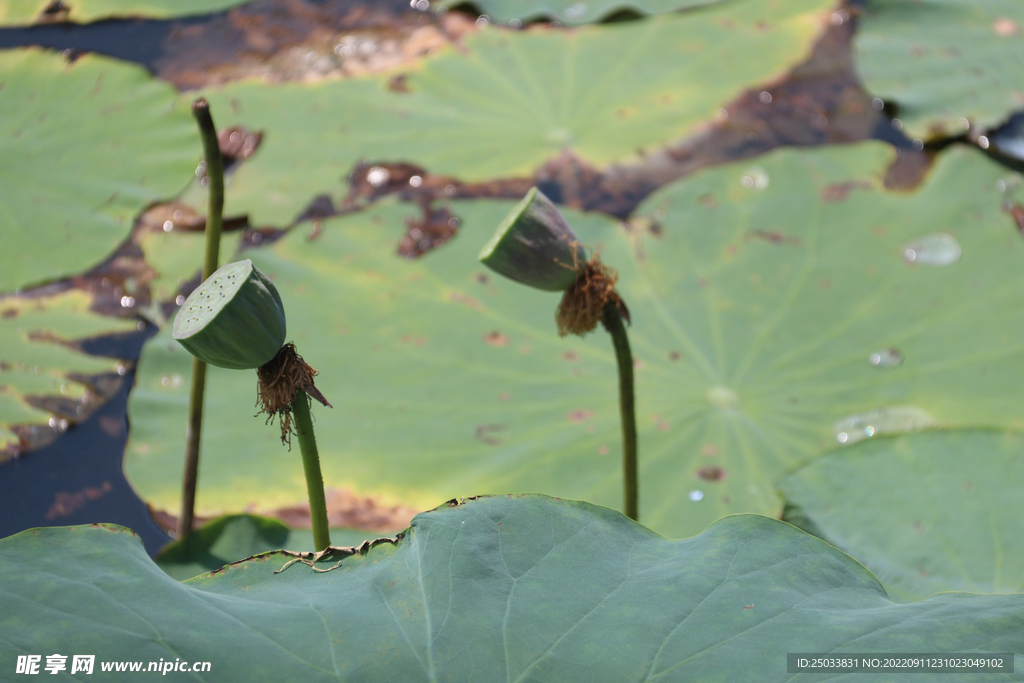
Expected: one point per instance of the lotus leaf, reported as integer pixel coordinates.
(758, 303)
(928, 512)
(42, 376)
(509, 100)
(944, 62)
(570, 12)
(20, 12)
(59, 123)
(502, 588)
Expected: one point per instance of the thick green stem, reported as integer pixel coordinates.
(192, 432)
(612, 321)
(311, 465)
(214, 220)
(215, 176)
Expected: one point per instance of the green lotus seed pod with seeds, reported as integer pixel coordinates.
(235, 319)
(534, 245)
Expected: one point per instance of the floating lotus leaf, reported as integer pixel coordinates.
(570, 12)
(86, 146)
(758, 305)
(42, 379)
(20, 12)
(508, 101)
(929, 512)
(943, 62)
(509, 587)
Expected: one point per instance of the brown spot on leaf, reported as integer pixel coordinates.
(481, 278)
(711, 473)
(709, 449)
(483, 434)
(838, 192)
(409, 339)
(579, 415)
(570, 356)
(9, 313)
(603, 450)
(1016, 212)
(55, 11)
(398, 83)
(465, 299)
(238, 143)
(504, 396)
(674, 355)
(773, 236)
(346, 509)
(433, 229)
(496, 338)
(908, 169)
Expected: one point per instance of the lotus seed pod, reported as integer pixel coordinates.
(235, 319)
(535, 246)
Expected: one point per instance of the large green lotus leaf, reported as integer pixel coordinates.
(509, 100)
(570, 12)
(86, 146)
(236, 537)
(20, 12)
(756, 313)
(928, 512)
(38, 368)
(503, 588)
(944, 60)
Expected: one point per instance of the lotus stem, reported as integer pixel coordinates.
(311, 466)
(611, 319)
(192, 433)
(214, 214)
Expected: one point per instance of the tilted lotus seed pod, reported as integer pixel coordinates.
(235, 319)
(535, 246)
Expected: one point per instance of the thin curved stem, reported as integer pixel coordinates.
(311, 466)
(611, 319)
(214, 220)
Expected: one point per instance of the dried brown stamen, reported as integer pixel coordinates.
(279, 379)
(583, 303)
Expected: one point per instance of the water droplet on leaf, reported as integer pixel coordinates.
(886, 358)
(755, 179)
(939, 249)
(889, 420)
